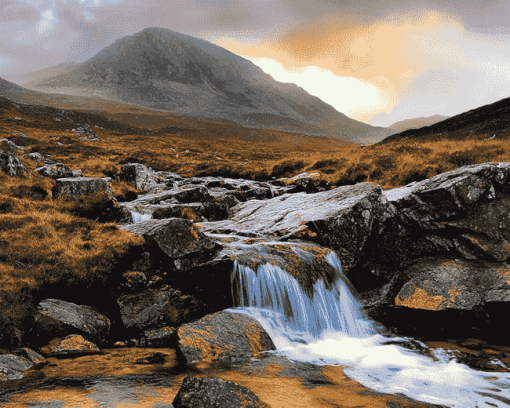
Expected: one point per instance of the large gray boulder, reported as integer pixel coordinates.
(38, 157)
(57, 318)
(223, 337)
(14, 365)
(214, 392)
(75, 187)
(139, 175)
(10, 163)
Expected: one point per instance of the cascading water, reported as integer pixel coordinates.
(329, 329)
(138, 217)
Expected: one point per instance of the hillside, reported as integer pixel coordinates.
(161, 69)
(10, 89)
(491, 120)
(27, 80)
(416, 123)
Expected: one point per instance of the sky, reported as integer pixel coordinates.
(378, 62)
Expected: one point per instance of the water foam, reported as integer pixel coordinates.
(331, 330)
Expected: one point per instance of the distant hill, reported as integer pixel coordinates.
(161, 69)
(9, 89)
(489, 120)
(416, 123)
(32, 78)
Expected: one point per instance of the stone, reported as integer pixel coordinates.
(74, 187)
(39, 158)
(156, 308)
(176, 237)
(214, 392)
(55, 171)
(223, 337)
(137, 174)
(10, 163)
(72, 344)
(14, 365)
(309, 182)
(57, 318)
(12, 144)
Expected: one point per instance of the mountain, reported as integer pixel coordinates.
(9, 89)
(416, 123)
(161, 69)
(32, 78)
(489, 120)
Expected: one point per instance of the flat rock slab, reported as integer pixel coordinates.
(74, 187)
(154, 309)
(223, 337)
(58, 318)
(214, 392)
(176, 237)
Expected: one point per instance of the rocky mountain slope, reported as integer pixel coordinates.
(31, 78)
(161, 69)
(417, 123)
(492, 120)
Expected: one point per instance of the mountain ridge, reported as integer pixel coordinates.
(161, 69)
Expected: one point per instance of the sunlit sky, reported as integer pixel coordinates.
(376, 61)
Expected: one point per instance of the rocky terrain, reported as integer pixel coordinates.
(434, 251)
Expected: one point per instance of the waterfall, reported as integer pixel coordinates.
(330, 329)
(138, 217)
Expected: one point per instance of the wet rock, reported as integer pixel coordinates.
(72, 188)
(13, 366)
(342, 219)
(176, 237)
(55, 171)
(440, 284)
(155, 309)
(138, 174)
(10, 163)
(192, 211)
(57, 318)
(214, 392)
(223, 337)
(72, 344)
(460, 214)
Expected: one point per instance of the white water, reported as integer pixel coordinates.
(331, 330)
(137, 217)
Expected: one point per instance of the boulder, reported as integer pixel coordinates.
(10, 163)
(309, 182)
(39, 158)
(440, 284)
(138, 174)
(14, 365)
(72, 344)
(55, 171)
(223, 337)
(461, 214)
(214, 392)
(12, 144)
(74, 187)
(157, 308)
(178, 238)
(57, 318)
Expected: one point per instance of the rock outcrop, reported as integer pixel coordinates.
(139, 175)
(10, 163)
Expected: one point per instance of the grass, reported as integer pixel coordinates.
(50, 248)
